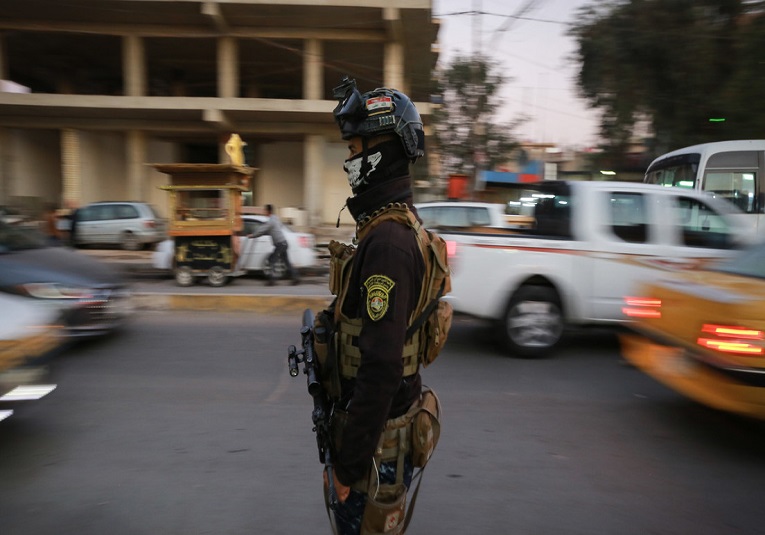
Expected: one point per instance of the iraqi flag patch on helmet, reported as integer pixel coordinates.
(381, 104)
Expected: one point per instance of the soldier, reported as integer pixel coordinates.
(379, 293)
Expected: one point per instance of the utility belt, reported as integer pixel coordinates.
(415, 435)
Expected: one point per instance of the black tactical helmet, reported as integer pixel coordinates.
(377, 112)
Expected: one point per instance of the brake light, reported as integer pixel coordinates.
(451, 254)
(305, 241)
(451, 249)
(642, 307)
(150, 223)
(733, 339)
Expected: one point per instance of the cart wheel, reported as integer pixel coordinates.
(183, 276)
(216, 276)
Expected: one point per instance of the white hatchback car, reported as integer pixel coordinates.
(130, 225)
(254, 252)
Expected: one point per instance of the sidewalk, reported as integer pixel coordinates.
(157, 290)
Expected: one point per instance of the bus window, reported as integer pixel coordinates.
(736, 187)
(732, 175)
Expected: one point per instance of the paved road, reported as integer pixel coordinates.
(189, 424)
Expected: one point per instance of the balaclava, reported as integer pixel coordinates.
(370, 167)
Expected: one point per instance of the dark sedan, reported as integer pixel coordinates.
(93, 298)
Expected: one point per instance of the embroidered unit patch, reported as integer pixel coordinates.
(378, 295)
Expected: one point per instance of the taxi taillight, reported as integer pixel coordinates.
(732, 339)
(642, 307)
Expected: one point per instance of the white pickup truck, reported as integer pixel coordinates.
(587, 247)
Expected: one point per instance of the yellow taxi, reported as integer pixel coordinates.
(702, 333)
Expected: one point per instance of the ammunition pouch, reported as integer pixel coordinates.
(340, 256)
(426, 428)
(416, 432)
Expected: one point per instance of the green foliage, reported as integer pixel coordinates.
(466, 134)
(675, 63)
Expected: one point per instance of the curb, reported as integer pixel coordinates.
(268, 304)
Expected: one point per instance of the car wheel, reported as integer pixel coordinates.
(533, 322)
(216, 277)
(184, 276)
(130, 242)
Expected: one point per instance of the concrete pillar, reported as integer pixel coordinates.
(228, 67)
(133, 66)
(4, 68)
(136, 164)
(71, 168)
(393, 67)
(313, 70)
(313, 160)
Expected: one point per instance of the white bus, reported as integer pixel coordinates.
(732, 170)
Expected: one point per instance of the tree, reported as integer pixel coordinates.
(676, 64)
(467, 137)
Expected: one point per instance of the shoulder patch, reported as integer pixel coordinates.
(378, 295)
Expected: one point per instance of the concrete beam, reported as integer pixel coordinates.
(156, 30)
(212, 10)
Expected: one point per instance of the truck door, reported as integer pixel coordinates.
(703, 234)
(627, 244)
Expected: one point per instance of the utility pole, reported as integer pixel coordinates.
(476, 28)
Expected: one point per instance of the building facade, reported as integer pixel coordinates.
(96, 91)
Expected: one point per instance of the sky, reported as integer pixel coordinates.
(534, 53)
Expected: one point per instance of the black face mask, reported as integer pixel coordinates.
(383, 162)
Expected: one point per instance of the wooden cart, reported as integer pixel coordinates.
(205, 205)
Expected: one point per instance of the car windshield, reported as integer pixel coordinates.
(749, 262)
(20, 238)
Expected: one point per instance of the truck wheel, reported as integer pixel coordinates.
(533, 323)
(184, 276)
(216, 277)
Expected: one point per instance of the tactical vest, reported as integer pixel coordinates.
(349, 329)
